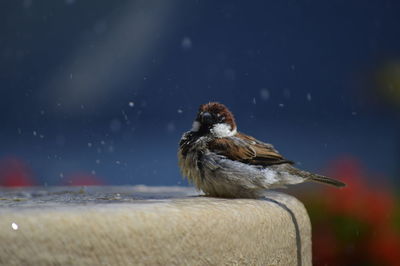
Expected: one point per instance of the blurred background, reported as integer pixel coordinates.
(100, 94)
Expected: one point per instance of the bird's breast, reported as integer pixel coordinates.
(189, 157)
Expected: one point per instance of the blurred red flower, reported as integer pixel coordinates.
(384, 246)
(14, 172)
(372, 204)
(354, 225)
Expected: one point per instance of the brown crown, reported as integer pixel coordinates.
(222, 110)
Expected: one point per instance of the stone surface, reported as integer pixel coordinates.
(149, 226)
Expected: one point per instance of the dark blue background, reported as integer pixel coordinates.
(106, 88)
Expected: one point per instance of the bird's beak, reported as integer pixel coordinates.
(206, 118)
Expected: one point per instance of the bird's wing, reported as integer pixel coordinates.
(247, 149)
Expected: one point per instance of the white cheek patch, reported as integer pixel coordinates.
(195, 126)
(223, 130)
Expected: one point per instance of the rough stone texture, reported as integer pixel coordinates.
(149, 226)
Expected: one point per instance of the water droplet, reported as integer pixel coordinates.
(170, 127)
(186, 43)
(14, 226)
(125, 117)
(264, 94)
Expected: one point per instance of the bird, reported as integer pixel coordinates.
(223, 162)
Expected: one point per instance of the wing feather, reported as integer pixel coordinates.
(247, 149)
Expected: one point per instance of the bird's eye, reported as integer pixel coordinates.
(220, 117)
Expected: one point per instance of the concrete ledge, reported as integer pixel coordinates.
(150, 226)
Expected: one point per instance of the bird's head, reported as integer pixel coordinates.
(214, 118)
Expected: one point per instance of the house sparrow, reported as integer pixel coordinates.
(223, 162)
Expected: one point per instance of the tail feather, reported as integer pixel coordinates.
(317, 178)
(326, 180)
